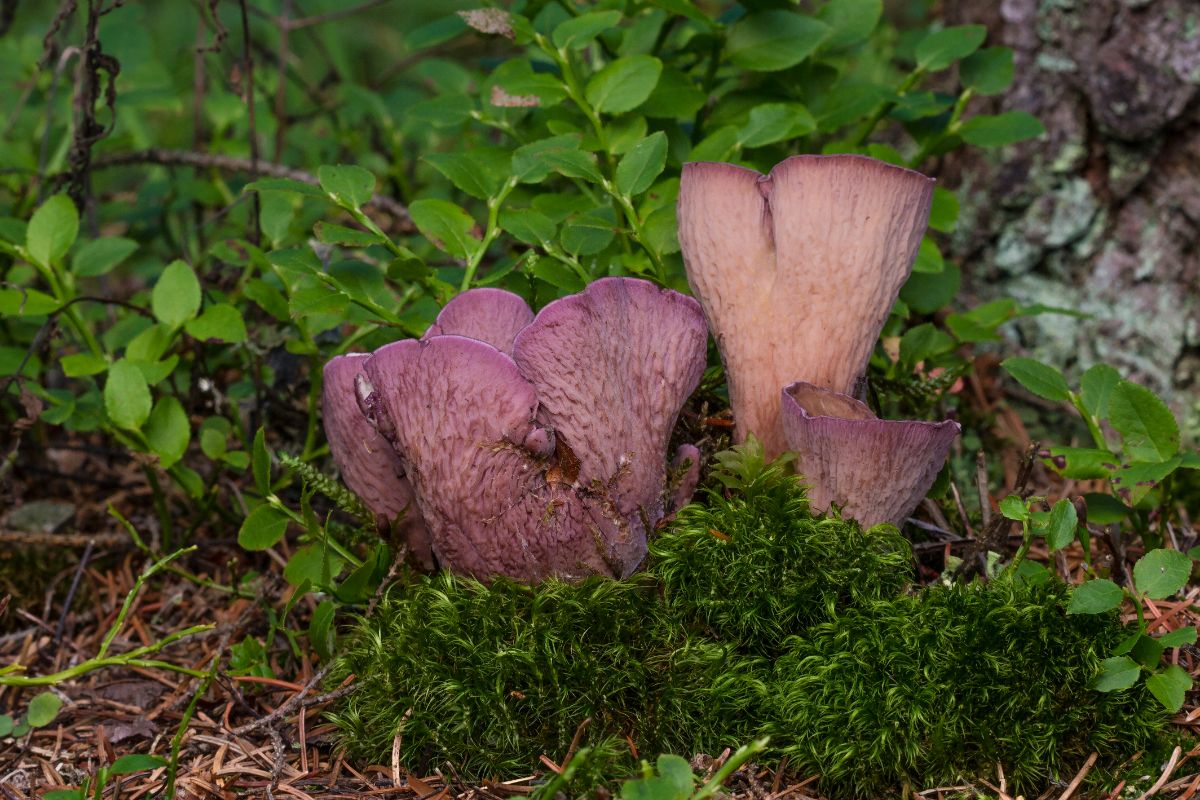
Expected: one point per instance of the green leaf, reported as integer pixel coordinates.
(276, 212)
(980, 323)
(998, 130)
(940, 49)
(268, 298)
(929, 257)
(1096, 387)
(1147, 427)
(43, 708)
(126, 395)
(1133, 482)
(263, 528)
(315, 564)
(677, 773)
(988, 71)
(1096, 597)
(1117, 673)
(479, 173)
(1178, 637)
(528, 225)
(850, 21)
(136, 762)
(65, 794)
(80, 365)
(447, 226)
(923, 341)
(176, 295)
(1014, 508)
(261, 461)
(221, 322)
(321, 633)
(1147, 651)
(624, 84)
(214, 435)
(675, 96)
(332, 233)
(26, 303)
(644, 163)
(6, 725)
(776, 122)
(773, 40)
(348, 185)
(1041, 379)
(52, 230)
(1170, 686)
(578, 32)
(1161, 573)
(285, 185)
(1104, 509)
(588, 234)
(926, 292)
(1082, 463)
(1061, 525)
(100, 256)
(555, 273)
(168, 431)
(943, 212)
(518, 78)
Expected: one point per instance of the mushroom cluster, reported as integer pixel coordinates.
(797, 272)
(523, 446)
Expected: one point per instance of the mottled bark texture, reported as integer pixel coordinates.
(1102, 214)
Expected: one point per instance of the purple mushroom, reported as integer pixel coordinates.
(797, 270)
(873, 470)
(367, 462)
(539, 448)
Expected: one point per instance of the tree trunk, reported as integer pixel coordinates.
(1101, 215)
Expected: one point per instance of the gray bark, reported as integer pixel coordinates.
(1102, 214)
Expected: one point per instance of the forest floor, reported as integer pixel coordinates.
(255, 727)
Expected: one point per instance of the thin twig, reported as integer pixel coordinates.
(318, 19)
(70, 599)
(1079, 776)
(1166, 774)
(188, 158)
(248, 79)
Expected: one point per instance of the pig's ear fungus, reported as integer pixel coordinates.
(366, 460)
(873, 470)
(612, 367)
(464, 422)
(489, 315)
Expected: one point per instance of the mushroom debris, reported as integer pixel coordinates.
(532, 446)
(797, 272)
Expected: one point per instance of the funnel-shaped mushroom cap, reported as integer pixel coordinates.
(367, 462)
(797, 270)
(612, 367)
(874, 470)
(464, 423)
(489, 315)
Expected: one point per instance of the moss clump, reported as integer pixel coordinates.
(498, 675)
(782, 623)
(756, 568)
(947, 684)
